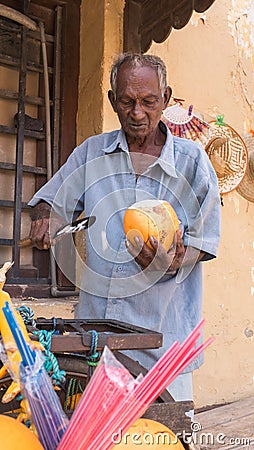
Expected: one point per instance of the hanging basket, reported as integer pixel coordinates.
(228, 155)
(246, 187)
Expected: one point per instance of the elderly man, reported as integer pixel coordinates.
(139, 284)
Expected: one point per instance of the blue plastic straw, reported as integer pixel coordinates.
(27, 355)
(46, 411)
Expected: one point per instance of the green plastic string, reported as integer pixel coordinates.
(27, 315)
(220, 121)
(50, 363)
(93, 355)
(70, 394)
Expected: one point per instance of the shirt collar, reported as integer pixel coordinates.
(119, 143)
(166, 159)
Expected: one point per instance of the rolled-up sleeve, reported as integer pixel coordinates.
(65, 189)
(203, 221)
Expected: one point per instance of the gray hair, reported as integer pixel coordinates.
(139, 60)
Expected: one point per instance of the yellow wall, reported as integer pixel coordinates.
(101, 40)
(205, 69)
(89, 117)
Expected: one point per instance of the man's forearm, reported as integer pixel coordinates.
(191, 256)
(40, 211)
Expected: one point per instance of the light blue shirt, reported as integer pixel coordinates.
(99, 178)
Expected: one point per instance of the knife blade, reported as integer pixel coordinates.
(74, 227)
(69, 228)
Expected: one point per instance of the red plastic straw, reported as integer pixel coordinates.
(107, 389)
(139, 405)
(122, 408)
(110, 403)
(146, 392)
(152, 388)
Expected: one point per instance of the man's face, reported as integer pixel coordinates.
(139, 101)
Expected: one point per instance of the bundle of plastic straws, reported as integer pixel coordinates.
(113, 399)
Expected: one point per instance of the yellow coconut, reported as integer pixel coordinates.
(15, 435)
(151, 218)
(147, 434)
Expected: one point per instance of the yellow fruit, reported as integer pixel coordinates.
(12, 352)
(147, 434)
(15, 435)
(151, 218)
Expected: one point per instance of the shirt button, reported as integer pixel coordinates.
(114, 301)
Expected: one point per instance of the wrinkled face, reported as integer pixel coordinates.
(139, 101)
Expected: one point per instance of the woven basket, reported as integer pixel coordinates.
(246, 187)
(228, 154)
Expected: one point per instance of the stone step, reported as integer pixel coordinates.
(49, 307)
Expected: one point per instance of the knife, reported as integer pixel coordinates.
(69, 228)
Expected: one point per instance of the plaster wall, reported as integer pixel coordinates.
(101, 39)
(113, 46)
(205, 68)
(101, 31)
(89, 117)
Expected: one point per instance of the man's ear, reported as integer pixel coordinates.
(112, 100)
(167, 96)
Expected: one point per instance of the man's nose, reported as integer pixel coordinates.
(137, 109)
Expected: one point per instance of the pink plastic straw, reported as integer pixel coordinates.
(141, 402)
(107, 406)
(121, 408)
(85, 398)
(139, 405)
(108, 387)
(146, 392)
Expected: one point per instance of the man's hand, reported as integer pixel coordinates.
(156, 258)
(39, 234)
(39, 231)
(43, 226)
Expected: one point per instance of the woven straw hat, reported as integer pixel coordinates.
(228, 155)
(246, 187)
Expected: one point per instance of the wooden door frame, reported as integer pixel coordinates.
(69, 105)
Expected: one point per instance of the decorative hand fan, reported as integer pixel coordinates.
(184, 123)
(228, 155)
